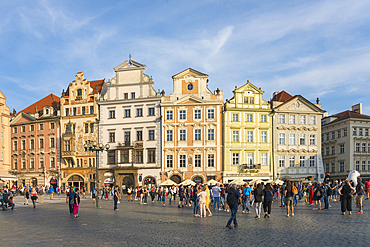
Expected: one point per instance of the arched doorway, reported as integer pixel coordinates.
(33, 182)
(198, 180)
(76, 181)
(54, 182)
(127, 182)
(150, 181)
(176, 178)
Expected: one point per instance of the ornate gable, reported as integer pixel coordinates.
(300, 105)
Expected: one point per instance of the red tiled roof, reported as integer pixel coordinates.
(98, 84)
(282, 96)
(50, 100)
(348, 114)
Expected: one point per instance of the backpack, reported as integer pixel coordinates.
(295, 190)
(231, 198)
(330, 191)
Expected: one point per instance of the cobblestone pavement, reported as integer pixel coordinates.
(50, 224)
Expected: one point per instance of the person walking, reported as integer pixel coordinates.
(145, 192)
(182, 196)
(268, 194)
(288, 194)
(295, 194)
(367, 189)
(216, 196)
(34, 197)
(116, 197)
(208, 200)
(70, 200)
(346, 191)
(246, 197)
(282, 192)
(76, 203)
(257, 194)
(93, 194)
(233, 200)
(129, 194)
(26, 196)
(196, 191)
(360, 191)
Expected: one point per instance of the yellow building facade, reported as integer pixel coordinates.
(247, 136)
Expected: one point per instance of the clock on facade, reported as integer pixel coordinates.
(190, 86)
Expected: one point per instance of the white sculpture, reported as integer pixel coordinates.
(353, 176)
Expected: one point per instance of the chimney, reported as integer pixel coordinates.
(357, 108)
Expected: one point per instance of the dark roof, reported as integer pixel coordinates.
(98, 84)
(348, 114)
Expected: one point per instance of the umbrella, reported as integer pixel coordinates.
(168, 182)
(237, 182)
(212, 181)
(255, 181)
(278, 181)
(188, 182)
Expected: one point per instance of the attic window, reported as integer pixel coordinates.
(47, 111)
(79, 92)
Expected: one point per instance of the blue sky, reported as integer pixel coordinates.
(313, 48)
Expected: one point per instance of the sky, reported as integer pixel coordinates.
(312, 48)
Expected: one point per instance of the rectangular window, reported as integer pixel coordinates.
(41, 127)
(182, 160)
(364, 165)
(281, 161)
(197, 135)
(327, 137)
(292, 139)
(182, 114)
(282, 118)
(357, 165)
(263, 136)
(151, 155)
(211, 160)
(91, 109)
(302, 161)
(127, 112)
(74, 110)
(236, 159)
(151, 135)
(263, 118)
(211, 135)
(52, 142)
(112, 137)
(235, 117)
(282, 139)
(24, 164)
(341, 148)
(112, 114)
(15, 145)
(312, 120)
(197, 114)
(15, 164)
(139, 135)
(249, 118)
(32, 128)
(132, 95)
(360, 131)
(169, 115)
(302, 119)
(182, 135)
(341, 166)
(368, 147)
(126, 95)
(83, 110)
(41, 142)
(32, 163)
(364, 147)
(169, 161)
(197, 160)
(251, 100)
(211, 114)
(250, 160)
(111, 158)
(366, 132)
(125, 156)
(354, 131)
(91, 128)
(67, 112)
(332, 150)
(312, 161)
(127, 138)
(291, 161)
(345, 132)
(151, 111)
(52, 126)
(139, 112)
(139, 156)
(368, 165)
(246, 100)
(357, 147)
(32, 144)
(235, 136)
(332, 135)
(327, 168)
(15, 130)
(292, 119)
(23, 144)
(23, 129)
(327, 151)
(302, 139)
(312, 140)
(263, 159)
(249, 136)
(86, 128)
(41, 165)
(332, 167)
(169, 136)
(339, 134)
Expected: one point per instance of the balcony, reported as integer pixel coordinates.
(251, 168)
(68, 153)
(125, 144)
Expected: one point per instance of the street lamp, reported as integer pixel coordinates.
(97, 147)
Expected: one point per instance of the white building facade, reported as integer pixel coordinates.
(130, 120)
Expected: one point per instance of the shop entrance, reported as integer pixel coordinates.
(127, 182)
(150, 181)
(33, 182)
(54, 182)
(76, 181)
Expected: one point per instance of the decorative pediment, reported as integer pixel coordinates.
(189, 72)
(293, 150)
(189, 100)
(197, 150)
(299, 104)
(129, 65)
(292, 128)
(303, 150)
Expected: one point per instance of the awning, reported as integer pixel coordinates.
(109, 181)
(10, 179)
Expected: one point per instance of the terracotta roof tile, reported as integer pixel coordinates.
(98, 84)
(348, 114)
(50, 100)
(282, 96)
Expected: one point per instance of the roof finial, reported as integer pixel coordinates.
(129, 60)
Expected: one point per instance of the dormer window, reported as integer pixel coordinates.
(47, 111)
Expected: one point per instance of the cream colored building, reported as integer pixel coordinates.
(192, 129)
(79, 112)
(5, 144)
(247, 130)
(297, 133)
(346, 143)
(130, 120)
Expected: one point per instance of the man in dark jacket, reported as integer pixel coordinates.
(234, 208)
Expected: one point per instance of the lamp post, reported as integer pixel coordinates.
(96, 147)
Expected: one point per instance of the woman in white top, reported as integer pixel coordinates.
(202, 202)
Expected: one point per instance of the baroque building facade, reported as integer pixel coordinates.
(130, 120)
(192, 129)
(247, 131)
(5, 144)
(79, 112)
(346, 143)
(35, 143)
(296, 140)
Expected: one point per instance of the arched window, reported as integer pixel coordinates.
(79, 92)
